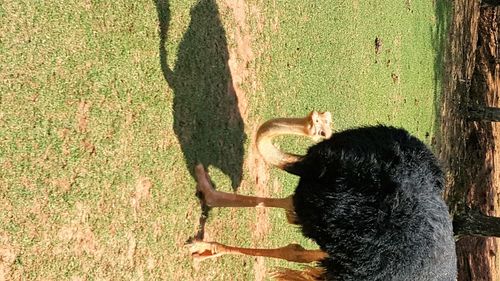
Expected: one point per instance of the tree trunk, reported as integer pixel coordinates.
(469, 150)
(477, 252)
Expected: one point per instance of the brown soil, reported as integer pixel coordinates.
(7, 256)
(78, 237)
(241, 56)
(468, 148)
(142, 194)
(260, 175)
(82, 116)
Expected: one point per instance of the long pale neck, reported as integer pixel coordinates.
(274, 128)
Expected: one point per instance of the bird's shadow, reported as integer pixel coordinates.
(207, 120)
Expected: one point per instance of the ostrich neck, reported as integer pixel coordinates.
(277, 127)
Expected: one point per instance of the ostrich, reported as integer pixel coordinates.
(370, 197)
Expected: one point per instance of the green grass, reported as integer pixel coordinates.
(322, 56)
(94, 98)
(328, 51)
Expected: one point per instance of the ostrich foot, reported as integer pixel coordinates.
(201, 250)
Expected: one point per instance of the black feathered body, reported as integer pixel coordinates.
(372, 199)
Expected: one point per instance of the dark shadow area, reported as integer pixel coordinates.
(207, 120)
(439, 37)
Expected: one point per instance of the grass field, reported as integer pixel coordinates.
(105, 106)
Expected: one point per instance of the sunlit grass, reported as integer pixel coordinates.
(86, 116)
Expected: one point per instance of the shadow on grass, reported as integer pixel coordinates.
(207, 120)
(439, 37)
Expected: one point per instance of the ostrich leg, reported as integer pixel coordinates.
(214, 198)
(315, 125)
(201, 250)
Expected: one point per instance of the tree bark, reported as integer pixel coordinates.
(469, 148)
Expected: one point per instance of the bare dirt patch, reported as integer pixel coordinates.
(132, 246)
(82, 116)
(240, 58)
(142, 193)
(63, 135)
(8, 255)
(78, 237)
(62, 184)
(81, 237)
(260, 175)
(241, 55)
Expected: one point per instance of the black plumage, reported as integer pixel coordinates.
(372, 199)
